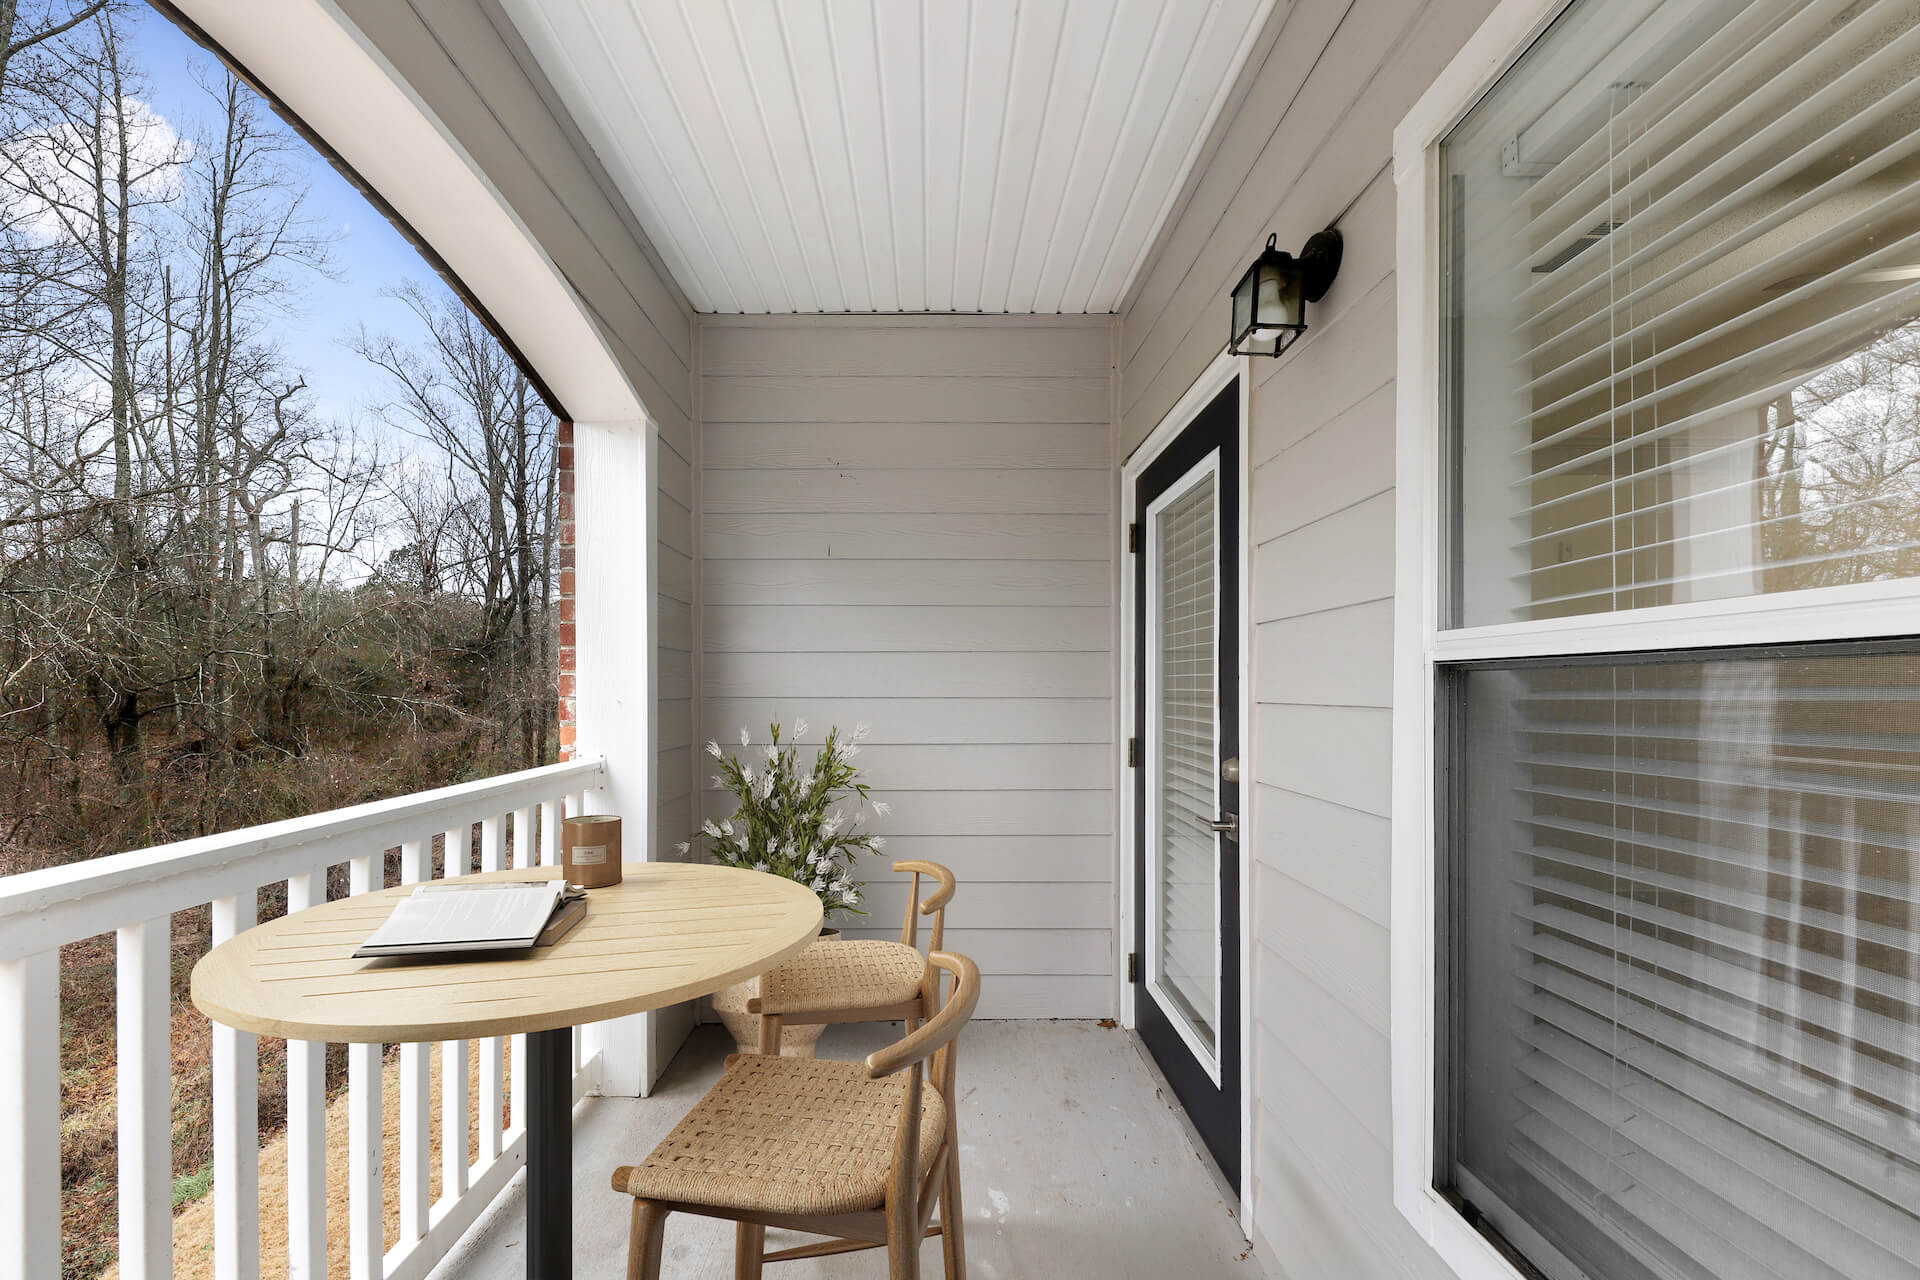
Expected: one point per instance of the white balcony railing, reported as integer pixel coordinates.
(134, 895)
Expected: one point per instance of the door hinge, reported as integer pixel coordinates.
(1133, 538)
(1133, 753)
(1133, 966)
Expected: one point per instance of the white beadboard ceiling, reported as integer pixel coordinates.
(896, 155)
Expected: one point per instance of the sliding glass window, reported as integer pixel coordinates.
(1680, 894)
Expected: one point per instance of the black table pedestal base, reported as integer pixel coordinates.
(549, 1068)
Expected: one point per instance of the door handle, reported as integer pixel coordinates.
(1228, 825)
(1230, 769)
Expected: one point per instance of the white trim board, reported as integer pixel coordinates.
(1221, 370)
(1474, 70)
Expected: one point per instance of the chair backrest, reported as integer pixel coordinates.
(935, 905)
(940, 1029)
(937, 1038)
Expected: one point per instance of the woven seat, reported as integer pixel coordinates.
(858, 1152)
(786, 1135)
(866, 980)
(829, 977)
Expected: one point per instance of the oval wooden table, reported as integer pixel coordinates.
(668, 932)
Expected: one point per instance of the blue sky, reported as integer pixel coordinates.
(368, 254)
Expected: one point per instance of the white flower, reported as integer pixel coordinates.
(861, 730)
(746, 774)
(726, 827)
(684, 847)
(711, 828)
(765, 786)
(878, 843)
(831, 824)
(882, 808)
(858, 817)
(719, 783)
(760, 865)
(853, 897)
(800, 728)
(819, 883)
(746, 739)
(852, 750)
(773, 752)
(713, 748)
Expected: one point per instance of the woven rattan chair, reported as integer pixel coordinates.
(858, 1152)
(857, 980)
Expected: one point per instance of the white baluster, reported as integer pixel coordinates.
(457, 851)
(517, 1083)
(492, 1077)
(236, 1123)
(415, 1086)
(525, 852)
(573, 804)
(550, 833)
(453, 1119)
(306, 1127)
(144, 1052)
(366, 1226)
(30, 1116)
(523, 856)
(492, 849)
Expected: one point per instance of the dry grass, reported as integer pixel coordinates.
(193, 1224)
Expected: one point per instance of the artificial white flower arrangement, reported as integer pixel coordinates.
(790, 822)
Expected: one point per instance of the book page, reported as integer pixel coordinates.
(441, 915)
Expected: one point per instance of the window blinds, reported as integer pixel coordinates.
(1185, 560)
(1688, 931)
(1684, 309)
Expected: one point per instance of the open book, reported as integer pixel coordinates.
(501, 916)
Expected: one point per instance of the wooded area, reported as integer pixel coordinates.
(219, 604)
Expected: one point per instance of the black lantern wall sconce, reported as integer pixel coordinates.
(1270, 302)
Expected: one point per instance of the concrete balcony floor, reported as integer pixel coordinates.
(1073, 1165)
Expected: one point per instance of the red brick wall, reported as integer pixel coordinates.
(564, 497)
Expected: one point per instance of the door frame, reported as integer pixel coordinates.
(1220, 371)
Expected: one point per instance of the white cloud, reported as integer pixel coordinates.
(49, 178)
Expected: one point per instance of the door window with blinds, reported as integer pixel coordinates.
(1183, 873)
(1679, 932)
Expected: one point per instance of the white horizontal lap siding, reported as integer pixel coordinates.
(1308, 135)
(907, 521)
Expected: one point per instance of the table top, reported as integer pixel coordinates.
(669, 931)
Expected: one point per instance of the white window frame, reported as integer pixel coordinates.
(1867, 611)
(1208, 1056)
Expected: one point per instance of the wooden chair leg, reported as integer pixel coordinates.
(953, 1219)
(770, 1033)
(645, 1239)
(903, 1242)
(749, 1248)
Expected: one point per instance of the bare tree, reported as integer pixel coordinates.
(43, 23)
(459, 392)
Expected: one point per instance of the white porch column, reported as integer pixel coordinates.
(616, 586)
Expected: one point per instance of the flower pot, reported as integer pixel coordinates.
(730, 1002)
